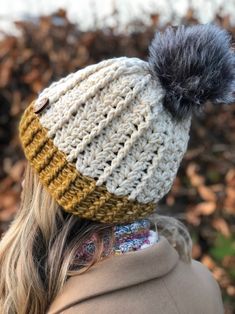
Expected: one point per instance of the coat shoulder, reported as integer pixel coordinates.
(192, 286)
(187, 289)
(152, 280)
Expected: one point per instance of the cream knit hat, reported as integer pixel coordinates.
(107, 140)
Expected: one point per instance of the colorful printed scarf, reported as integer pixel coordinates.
(127, 238)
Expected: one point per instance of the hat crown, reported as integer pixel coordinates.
(108, 119)
(105, 146)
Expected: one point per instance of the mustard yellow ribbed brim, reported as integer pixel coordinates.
(76, 193)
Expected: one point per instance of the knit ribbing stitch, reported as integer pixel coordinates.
(76, 193)
(104, 145)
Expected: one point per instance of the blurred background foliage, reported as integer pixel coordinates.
(203, 194)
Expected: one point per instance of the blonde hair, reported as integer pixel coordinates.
(37, 253)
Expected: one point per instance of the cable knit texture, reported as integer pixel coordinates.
(107, 135)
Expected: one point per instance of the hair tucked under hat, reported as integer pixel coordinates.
(107, 140)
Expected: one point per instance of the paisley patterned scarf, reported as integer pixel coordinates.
(130, 237)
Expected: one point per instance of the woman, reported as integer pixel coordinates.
(104, 145)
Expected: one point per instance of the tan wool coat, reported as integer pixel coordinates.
(152, 280)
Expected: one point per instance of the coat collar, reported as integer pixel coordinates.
(117, 272)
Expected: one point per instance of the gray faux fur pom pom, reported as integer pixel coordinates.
(194, 64)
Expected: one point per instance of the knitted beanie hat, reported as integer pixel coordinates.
(107, 140)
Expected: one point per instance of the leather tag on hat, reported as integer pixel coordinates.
(41, 104)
